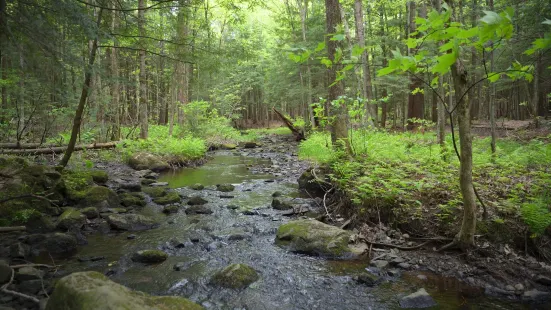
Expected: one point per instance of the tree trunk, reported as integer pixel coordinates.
(492, 93)
(465, 237)
(303, 7)
(415, 101)
(115, 86)
(441, 117)
(339, 128)
(83, 95)
(536, 91)
(366, 87)
(144, 124)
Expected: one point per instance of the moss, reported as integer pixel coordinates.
(228, 146)
(313, 237)
(132, 199)
(170, 209)
(92, 290)
(197, 186)
(155, 191)
(225, 187)
(90, 212)
(76, 182)
(99, 176)
(149, 256)
(171, 197)
(98, 194)
(71, 218)
(236, 276)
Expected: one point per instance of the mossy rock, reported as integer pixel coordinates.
(40, 223)
(90, 212)
(228, 146)
(312, 237)
(225, 187)
(76, 181)
(155, 191)
(59, 245)
(196, 201)
(131, 222)
(171, 209)
(236, 276)
(146, 161)
(147, 181)
(71, 218)
(197, 186)
(149, 256)
(99, 176)
(99, 196)
(171, 197)
(282, 204)
(132, 199)
(92, 290)
(250, 145)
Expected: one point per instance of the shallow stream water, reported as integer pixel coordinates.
(288, 281)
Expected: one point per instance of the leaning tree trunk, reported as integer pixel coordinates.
(83, 96)
(465, 238)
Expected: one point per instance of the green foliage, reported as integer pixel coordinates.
(537, 215)
(23, 216)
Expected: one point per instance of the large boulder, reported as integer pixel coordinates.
(315, 238)
(71, 218)
(92, 290)
(144, 161)
(132, 199)
(236, 276)
(282, 203)
(100, 197)
(5, 272)
(131, 222)
(58, 245)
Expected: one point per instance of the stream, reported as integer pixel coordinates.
(242, 230)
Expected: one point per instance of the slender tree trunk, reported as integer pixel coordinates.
(441, 117)
(84, 94)
(144, 122)
(339, 128)
(384, 105)
(465, 237)
(415, 101)
(366, 87)
(3, 60)
(115, 86)
(536, 90)
(492, 93)
(303, 7)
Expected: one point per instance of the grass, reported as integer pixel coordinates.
(408, 174)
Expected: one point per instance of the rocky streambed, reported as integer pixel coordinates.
(235, 233)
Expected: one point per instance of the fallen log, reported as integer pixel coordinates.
(58, 149)
(12, 228)
(299, 134)
(16, 145)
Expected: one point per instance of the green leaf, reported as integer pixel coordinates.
(348, 67)
(327, 62)
(320, 47)
(444, 63)
(434, 81)
(357, 50)
(446, 47)
(469, 33)
(337, 37)
(411, 43)
(493, 77)
(547, 22)
(491, 18)
(385, 71)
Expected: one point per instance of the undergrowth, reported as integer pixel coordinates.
(408, 175)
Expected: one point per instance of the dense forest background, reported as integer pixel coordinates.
(240, 58)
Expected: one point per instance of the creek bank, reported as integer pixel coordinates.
(404, 244)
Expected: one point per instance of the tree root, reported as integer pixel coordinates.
(450, 245)
(10, 292)
(35, 265)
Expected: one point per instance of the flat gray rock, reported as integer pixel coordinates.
(418, 300)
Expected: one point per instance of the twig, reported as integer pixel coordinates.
(399, 247)
(5, 290)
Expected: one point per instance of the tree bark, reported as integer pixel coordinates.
(492, 94)
(441, 119)
(465, 237)
(115, 86)
(83, 95)
(415, 101)
(58, 149)
(144, 124)
(303, 7)
(339, 128)
(366, 85)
